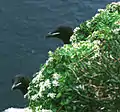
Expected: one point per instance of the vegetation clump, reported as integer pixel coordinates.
(83, 76)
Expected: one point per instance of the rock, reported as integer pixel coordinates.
(17, 110)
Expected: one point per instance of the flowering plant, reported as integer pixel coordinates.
(83, 76)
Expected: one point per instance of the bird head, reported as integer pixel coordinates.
(63, 32)
(21, 83)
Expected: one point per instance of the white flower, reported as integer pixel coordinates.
(42, 87)
(50, 52)
(75, 45)
(80, 87)
(56, 76)
(37, 108)
(49, 60)
(97, 54)
(34, 97)
(111, 56)
(36, 85)
(41, 84)
(116, 31)
(35, 79)
(73, 38)
(101, 10)
(88, 24)
(76, 29)
(55, 83)
(40, 94)
(39, 76)
(47, 83)
(51, 95)
(89, 63)
(96, 15)
(96, 42)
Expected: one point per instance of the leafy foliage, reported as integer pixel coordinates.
(83, 76)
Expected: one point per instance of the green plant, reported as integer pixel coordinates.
(83, 76)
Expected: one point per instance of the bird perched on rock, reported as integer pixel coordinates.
(21, 83)
(62, 32)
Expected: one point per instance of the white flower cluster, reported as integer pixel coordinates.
(76, 29)
(73, 37)
(47, 84)
(34, 97)
(51, 95)
(76, 45)
(38, 77)
(88, 24)
(50, 53)
(86, 43)
(56, 76)
(101, 10)
(96, 48)
(117, 22)
(96, 15)
(55, 83)
(50, 59)
(116, 31)
(96, 42)
(66, 48)
(80, 87)
(94, 33)
(43, 85)
(97, 54)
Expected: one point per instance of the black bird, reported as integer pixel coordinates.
(62, 32)
(21, 83)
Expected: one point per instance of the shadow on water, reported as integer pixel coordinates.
(23, 26)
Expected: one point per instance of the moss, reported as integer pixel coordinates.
(83, 76)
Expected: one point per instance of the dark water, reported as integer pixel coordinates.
(23, 26)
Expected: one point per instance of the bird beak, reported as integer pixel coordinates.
(52, 34)
(14, 86)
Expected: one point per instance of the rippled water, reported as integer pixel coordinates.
(23, 26)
